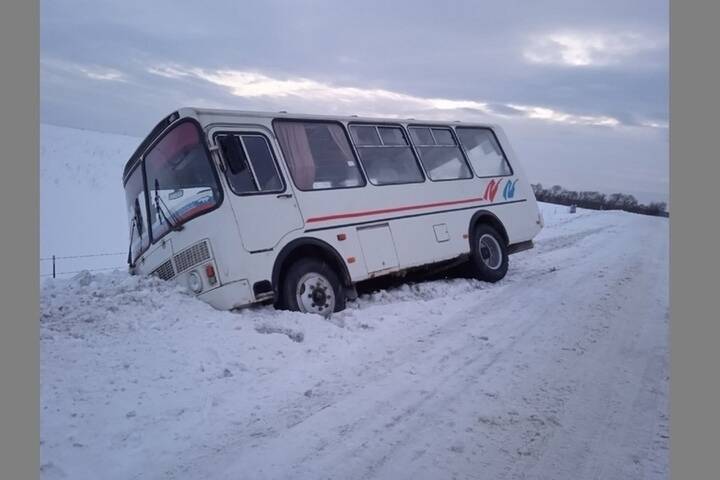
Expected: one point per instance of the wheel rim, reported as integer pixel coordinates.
(490, 251)
(315, 294)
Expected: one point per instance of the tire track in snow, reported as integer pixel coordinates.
(413, 408)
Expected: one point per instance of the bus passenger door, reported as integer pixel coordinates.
(261, 197)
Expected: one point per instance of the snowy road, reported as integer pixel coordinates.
(559, 371)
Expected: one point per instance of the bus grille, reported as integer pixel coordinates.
(165, 271)
(192, 256)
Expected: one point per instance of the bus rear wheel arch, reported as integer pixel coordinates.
(485, 217)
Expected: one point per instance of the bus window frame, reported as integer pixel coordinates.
(203, 141)
(457, 144)
(497, 140)
(377, 126)
(273, 154)
(343, 126)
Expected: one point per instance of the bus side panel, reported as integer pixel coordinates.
(525, 223)
(349, 249)
(518, 220)
(419, 235)
(418, 242)
(416, 214)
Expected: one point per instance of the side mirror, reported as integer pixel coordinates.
(233, 153)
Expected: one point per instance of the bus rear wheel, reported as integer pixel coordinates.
(312, 286)
(489, 257)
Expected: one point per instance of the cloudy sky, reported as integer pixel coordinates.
(580, 86)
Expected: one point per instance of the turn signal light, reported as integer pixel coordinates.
(210, 272)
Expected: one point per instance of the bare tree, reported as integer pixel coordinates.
(597, 201)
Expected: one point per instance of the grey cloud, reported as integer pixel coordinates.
(505, 109)
(462, 50)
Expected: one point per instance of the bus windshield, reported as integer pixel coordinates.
(181, 182)
(137, 214)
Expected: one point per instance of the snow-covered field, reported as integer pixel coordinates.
(82, 201)
(560, 371)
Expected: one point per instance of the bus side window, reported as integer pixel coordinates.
(439, 153)
(263, 163)
(239, 176)
(233, 153)
(386, 154)
(318, 154)
(484, 152)
(251, 164)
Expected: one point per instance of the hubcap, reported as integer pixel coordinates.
(315, 294)
(490, 251)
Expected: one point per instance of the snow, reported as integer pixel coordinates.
(558, 371)
(82, 201)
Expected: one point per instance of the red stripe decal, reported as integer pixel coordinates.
(390, 210)
(195, 210)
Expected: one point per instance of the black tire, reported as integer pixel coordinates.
(309, 266)
(486, 264)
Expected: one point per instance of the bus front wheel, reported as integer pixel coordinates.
(489, 257)
(312, 286)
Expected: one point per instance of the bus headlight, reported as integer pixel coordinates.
(195, 282)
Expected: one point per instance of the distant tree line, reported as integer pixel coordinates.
(597, 200)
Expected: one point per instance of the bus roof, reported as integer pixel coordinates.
(204, 112)
(310, 116)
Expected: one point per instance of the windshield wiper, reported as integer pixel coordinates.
(174, 224)
(132, 235)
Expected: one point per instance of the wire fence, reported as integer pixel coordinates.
(55, 258)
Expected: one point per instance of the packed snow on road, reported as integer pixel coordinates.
(558, 371)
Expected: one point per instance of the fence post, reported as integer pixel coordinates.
(53, 266)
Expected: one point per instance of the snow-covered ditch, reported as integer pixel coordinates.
(558, 371)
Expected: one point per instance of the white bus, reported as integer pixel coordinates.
(248, 207)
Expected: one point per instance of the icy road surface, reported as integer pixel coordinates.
(560, 371)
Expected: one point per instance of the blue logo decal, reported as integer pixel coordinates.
(509, 190)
